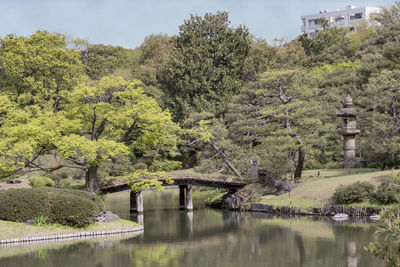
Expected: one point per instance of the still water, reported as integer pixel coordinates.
(209, 237)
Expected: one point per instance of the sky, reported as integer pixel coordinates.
(127, 22)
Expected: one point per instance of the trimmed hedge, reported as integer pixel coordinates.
(80, 193)
(63, 206)
(19, 205)
(72, 210)
(41, 181)
(353, 193)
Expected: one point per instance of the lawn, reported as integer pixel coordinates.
(9, 230)
(316, 192)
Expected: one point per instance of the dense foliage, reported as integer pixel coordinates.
(353, 193)
(41, 181)
(101, 109)
(388, 193)
(388, 246)
(207, 65)
(66, 207)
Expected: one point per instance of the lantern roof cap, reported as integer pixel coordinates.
(348, 102)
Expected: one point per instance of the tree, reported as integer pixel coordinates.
(328, 46)
(380, 118)
(103, 119)
(38, 69)
(282, 119)
(207, 65)
(154, 52)
(101, 60)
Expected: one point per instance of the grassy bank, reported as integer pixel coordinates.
(316, 192)
(9, 230)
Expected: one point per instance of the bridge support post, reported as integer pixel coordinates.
(136, 200)
(182, 197)
(132, 199)
(189, 202)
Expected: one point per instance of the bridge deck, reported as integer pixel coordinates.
(186, 178)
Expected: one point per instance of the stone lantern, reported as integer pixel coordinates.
(349, 132)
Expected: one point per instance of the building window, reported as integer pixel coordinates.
(356, 16)
(338, 19)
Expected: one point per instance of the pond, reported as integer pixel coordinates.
(209, 237)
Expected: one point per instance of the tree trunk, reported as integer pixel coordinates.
(300, 164)
(91, 181)
(226, 160)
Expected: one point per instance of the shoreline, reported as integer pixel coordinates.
(30, 235)
(328, 210)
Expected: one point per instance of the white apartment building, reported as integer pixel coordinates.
(338, 18)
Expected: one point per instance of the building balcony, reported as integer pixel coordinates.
(312, 27)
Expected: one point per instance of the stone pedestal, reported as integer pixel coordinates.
(350, 164)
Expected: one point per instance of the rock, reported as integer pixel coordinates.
(375, 217)
(340, 217)
(283, 186)
(233, 202)
(106, 216)
(30, 222)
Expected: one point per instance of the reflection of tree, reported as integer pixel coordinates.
(158, 255)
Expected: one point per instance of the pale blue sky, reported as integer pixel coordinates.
(128, 22)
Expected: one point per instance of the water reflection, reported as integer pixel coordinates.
(208, 237)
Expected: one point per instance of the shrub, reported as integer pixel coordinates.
(140, 166)
(331, 165)
(69, 209)
(19, 205)
(64, 184)
(80, 193)
(41, 181)
(41, 220)
(165, 165)
(268, 191)
(64, 206)
(387, 193)
(353, 193)
(388, 246)
(214, 197)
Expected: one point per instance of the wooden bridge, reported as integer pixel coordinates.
(185, 181)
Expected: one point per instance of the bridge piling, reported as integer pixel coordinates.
(136, 200)
(132, 200)
(189, 202)
(182, 197)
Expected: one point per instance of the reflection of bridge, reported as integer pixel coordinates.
(185, 181)
(186, 232)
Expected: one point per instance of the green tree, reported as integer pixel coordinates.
(328, 46)
(379, 118)
(102, 120)
(38, 69)
(154, 52)
(207, 65)
(101, 60)
(283, 119)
